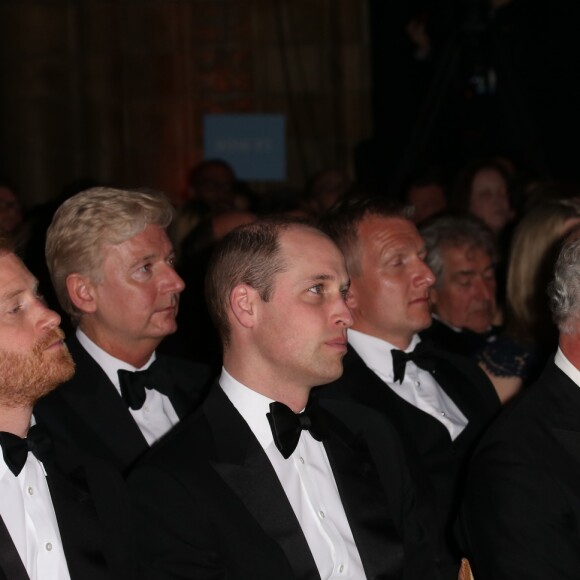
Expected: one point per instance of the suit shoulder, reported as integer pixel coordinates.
(190, 436)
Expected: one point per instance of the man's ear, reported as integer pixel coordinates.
(243, 302)
(352, 297)
(81, 292)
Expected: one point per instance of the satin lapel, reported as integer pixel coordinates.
(94, 398)
(244, 466)
(564, 405)
(378, 541)
(10, 562)
(458, 387)
(77, 520)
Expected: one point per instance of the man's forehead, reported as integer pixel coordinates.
(312, 251)
(467, 253)
(389, 231)
(14, 276)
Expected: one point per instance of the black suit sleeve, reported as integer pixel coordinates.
(514, 520)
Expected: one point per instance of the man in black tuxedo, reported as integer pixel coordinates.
(112, 266)
(461, 253)
(439, 403)
(60, 517)
(270, 486)
(521, 511)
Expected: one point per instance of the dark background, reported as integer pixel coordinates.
(429, 110)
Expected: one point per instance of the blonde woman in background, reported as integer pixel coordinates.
(530, 336)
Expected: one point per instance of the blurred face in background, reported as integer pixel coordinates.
(464, 296)
(490, 199)
(10, 210)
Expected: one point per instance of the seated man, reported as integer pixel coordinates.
(521, 511)
(461, 253)
(439, 403)
(259, 484)
(60, 518)
(112, 266)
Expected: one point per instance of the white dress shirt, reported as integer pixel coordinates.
(27, 510)
(562, 362)
(157, 414)
(419, 388)
(309, 484)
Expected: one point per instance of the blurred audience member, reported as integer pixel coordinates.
(11, 214)
(425, 193)
(213, 184)
(461, 253)
(483, 189)
(516, 358)
(326, 188)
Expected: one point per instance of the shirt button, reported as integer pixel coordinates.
(301, 460)
(341, 569)
(442, 413)
(30, 491)
(48, 546)
(145, 409)
(321, 514)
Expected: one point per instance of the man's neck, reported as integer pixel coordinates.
(401, 342)
(136, 353)
(570, 346)
(276, 388)
(15, 420)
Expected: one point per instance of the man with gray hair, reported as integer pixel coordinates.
(461, 253)
(521, 511)
(112, 267)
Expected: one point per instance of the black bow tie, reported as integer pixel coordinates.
(15, 449)
(421, 356)
(286, 426)
(134, 383)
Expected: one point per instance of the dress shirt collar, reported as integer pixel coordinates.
(251, 405)
(454, 328)
(376, 353)
(107, 362)
(562, 362)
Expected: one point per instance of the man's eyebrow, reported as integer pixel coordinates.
(10, 295)
(142, 259)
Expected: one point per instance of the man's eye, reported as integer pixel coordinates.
(16, 309)
(145, 268)
(317, 289)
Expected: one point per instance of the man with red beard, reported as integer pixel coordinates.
(439, 403)
(42, 508)
(112, 267)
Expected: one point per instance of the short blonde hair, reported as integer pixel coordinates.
(83, 224)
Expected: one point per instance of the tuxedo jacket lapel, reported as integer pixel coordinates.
(95, 399)
(365, 503)
(10, 563)
(244, 466)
